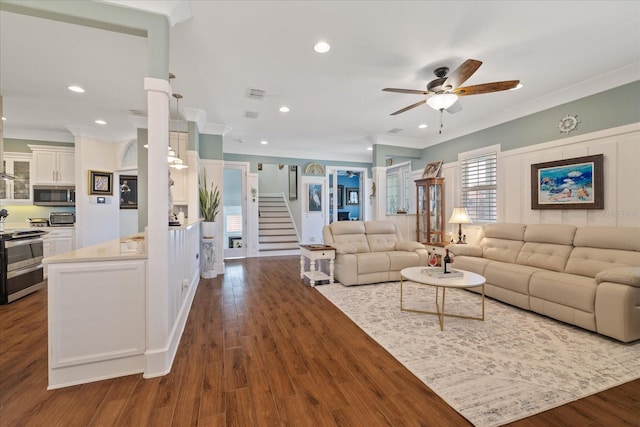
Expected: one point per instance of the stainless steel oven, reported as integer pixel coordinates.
(21, 254)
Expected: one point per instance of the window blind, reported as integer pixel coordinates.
(479, 184)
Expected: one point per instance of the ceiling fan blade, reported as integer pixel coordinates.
(486, 88)
(455, 107)
(417, 104)
(461, 74)
(411, 91)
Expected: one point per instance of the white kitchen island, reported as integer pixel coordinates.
(97, 309)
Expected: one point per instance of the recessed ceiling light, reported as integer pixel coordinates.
(263, 142)
(284, 109)
(322, 47)
(423, 126)
(519, 86)
(100, 122)
(369, 148)
(4, 118)
(76, 89)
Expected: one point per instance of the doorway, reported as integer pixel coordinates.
(346, 194)
(234, 210)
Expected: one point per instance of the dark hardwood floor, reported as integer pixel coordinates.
(260, 348)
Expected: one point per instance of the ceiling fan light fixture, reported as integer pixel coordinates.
(442, 101)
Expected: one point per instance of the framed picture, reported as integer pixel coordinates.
(568, 184)
(353, 196)
(101, 183)
(128, 192)
(431, 170)
(340, 196)
(315, 197)
(235, 242)
(293, 182)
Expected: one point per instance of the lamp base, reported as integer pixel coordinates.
(460, 241)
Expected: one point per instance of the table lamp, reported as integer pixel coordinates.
(460, 216)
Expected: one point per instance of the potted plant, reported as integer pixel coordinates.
(209, 206)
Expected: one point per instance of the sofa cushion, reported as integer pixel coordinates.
(500, 249)
(372, 262)
(543, 255)
(566, 289)
(550, 233)
(504, 231)
(347, 232)
(590, 261)
(381, 235)
(469, 250)
(402, 259)
(622, 238)
(510, 276)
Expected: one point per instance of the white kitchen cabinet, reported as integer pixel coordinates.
(53, 165)
(58, 240)
(17, 191)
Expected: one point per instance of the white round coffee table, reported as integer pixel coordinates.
(419, 275)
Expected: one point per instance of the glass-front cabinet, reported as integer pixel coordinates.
(430, 211)
(18, 190)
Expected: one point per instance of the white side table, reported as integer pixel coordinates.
(314, 253)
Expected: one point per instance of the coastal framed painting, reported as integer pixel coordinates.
(314, 192)
(575, 183)
(100, 183)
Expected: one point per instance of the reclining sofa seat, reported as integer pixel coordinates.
(587, 276)
(371, 251)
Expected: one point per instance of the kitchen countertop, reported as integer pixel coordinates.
(106, 251)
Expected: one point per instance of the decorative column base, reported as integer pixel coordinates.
(208, 270)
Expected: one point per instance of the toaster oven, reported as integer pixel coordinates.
(62, 219)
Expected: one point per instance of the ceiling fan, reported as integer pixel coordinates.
(445, 90)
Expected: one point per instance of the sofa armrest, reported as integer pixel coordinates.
(408, 245)
(464, 249)
(623, 275)
(344, 248)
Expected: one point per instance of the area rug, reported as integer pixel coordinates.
(510, 366)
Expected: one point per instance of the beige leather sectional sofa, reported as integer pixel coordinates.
(585, 276)
(371, 251)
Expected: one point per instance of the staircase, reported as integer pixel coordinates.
(276, 230)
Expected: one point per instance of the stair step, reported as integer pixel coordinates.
(274, 220)
(277, 246)
(277, 232)
(274, 209)
(274, 215)
(273, 239)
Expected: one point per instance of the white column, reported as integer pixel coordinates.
(157, 358)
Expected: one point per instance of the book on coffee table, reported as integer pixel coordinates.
(438, 274)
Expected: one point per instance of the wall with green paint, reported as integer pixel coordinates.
(615, 107)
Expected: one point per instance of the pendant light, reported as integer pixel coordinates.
(175, 161)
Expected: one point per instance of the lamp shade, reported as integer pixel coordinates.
(460, 216)
(442, 101)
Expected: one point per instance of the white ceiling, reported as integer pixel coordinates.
(560, 51)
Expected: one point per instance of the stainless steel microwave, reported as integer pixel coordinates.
(54, 195)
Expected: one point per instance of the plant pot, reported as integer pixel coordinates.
(209, 229)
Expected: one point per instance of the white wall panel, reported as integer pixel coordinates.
(621, 150)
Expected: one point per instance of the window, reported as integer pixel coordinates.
(398, 189)
(478, 179)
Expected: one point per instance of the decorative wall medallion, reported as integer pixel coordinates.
(314, 169)
(568, 123)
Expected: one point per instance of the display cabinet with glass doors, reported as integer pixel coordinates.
(430, 227)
